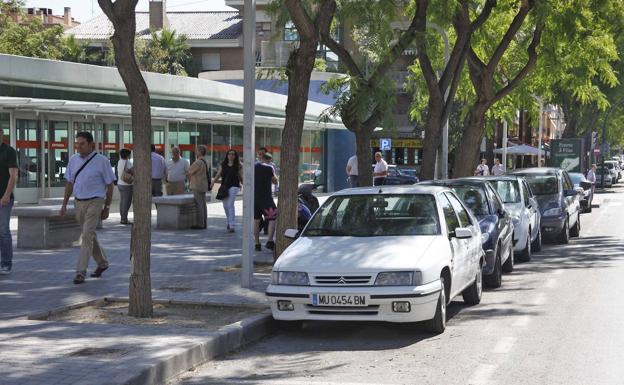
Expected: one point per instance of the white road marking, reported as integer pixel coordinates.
(482, 375)
(522, 321)
(504, 345)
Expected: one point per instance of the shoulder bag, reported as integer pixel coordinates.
(126, 175)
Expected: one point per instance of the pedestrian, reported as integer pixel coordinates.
(231, 174)
(200, 184)
(264, 206)
(498, 169)
(8, 178)
(591, 176)
(352, 171)
(177, 169)
(159, 169)
(482, 169)
(125, 188)
(264, 225)
(380, 172)
(90, 179)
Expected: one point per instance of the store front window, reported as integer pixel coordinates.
(28, 148)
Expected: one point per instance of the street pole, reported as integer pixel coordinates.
(504, 145)
(249, 137)
(442, 158)
(539, 135)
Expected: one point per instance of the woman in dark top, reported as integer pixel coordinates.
(231, 174)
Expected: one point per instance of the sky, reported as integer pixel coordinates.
(83, 10)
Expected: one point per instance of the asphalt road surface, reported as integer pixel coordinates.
(558, 319)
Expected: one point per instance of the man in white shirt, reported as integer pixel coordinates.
(352, 171)
(498, 169)
(177, 169)
(90, 178)
(482, 169)
(380, 172)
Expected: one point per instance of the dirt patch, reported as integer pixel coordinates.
(165, 315)
(264, 268)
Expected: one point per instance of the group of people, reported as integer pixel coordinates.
(380, 171)
(91, 180)
(483, 169)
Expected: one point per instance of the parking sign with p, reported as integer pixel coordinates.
(385, 144)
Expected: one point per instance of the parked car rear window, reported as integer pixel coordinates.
(375, 215)
(543, 184)
(474, 197)
(508, 190)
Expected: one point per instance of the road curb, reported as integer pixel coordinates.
(225, 340)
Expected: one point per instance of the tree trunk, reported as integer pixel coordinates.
(122, 15)
(363, 151)
(300, 65)
(467, 155)
(433, 139)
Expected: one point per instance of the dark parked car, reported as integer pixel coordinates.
(558, 201)
(494, 221)
(397, 177)
(580, 182)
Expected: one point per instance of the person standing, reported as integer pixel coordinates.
(8, 179)
(231, 174)
(380, 172)
(352, 171)
(591, 176)
(498, 169)
(90, 179)
(159, 169)
(482, 169)
(199, 185)
(125, 189)
(264, 206)
(177, 168)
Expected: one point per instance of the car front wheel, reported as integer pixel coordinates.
(437, 324)
(495, 279)
(564, 236)
(576, 230)
(537, 243)
(525, 255)
(508, 266)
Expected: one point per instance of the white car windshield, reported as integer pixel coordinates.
(508, 190)
(376, 215)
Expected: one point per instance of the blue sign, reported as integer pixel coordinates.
(385, 144)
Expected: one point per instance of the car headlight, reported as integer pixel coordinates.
(293, 278)
(397, 278)
(485, 237)
(516, 221)
(554, 212)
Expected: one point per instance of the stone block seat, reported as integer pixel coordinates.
(41, 227)
(59, 201)
(175, 212)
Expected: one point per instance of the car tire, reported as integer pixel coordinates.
(564, 235)
(525, 254)
(576, 230)
(292, 326)
(437, 324)
(589, 207)
(508, 266)
(536, 245)
(472, 294)
(495, 280)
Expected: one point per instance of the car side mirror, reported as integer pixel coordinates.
(292, 233)
(463, 233)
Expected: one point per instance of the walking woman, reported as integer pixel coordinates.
(231, 174)
(125, 189)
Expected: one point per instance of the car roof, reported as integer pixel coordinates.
(455, 182)
(404, 189)
(537, 171)
(511, 178)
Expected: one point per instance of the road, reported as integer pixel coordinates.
(558, 319)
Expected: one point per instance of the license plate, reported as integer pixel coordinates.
(339, 300)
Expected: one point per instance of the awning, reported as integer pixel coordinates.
(521, 149)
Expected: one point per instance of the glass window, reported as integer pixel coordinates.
(567, 183)
(452, 222)
(57, 150)
(496, 202)
(474, 197)
(375, 215)
(5, 125)
(526, 193)
(508, 190)
(543, 184)
(464, 217)
(290, 32)
(28, 151)
(220, 143)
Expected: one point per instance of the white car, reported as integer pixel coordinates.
(525, 215)
(392, 253)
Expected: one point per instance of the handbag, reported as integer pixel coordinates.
(222, 193)
(126, 176)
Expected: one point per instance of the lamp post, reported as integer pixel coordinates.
(505, 145)
(249, 137)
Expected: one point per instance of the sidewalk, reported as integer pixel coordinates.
(184, 266)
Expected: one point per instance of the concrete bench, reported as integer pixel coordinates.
(41, 227)
(175, 212)
(59, 202)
